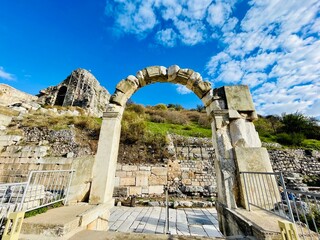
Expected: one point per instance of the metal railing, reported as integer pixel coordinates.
(268, 191)
(9, 195)
(43, 188)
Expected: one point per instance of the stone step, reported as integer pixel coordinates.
(60, 223)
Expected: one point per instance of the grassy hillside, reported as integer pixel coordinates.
(147, 125)
(292, 130)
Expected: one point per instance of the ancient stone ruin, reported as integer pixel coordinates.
(80, 89)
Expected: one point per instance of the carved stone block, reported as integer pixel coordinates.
(127, 87)
(239, 98)
(119, 98)
(172, 72)
(141, 79)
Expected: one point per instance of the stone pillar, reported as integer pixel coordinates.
(104, 168)
(237, 144)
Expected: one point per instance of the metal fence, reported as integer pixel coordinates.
(42, 188)
(268, 191)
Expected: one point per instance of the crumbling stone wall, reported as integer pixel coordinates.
(80, 89)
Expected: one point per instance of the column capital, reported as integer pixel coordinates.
(111, 114)
(113, 111)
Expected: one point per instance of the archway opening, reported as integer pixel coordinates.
(60, 96)
(165, 145)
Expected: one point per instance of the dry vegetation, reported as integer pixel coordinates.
(8, 112)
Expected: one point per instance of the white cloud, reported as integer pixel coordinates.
(274, 48)
(181, 89)
(166, 37)
(276, 51)
(190, 19)
(136, 17)
(5, 75)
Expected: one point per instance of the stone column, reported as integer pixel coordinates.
(104, 168)
(238, 149)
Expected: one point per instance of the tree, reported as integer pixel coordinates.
(200, 107)
(298, 123)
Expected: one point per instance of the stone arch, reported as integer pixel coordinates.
(187, 77)
(236, 142)
(60, 96)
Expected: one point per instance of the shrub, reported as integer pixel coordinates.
(161, 106)
(133, 127)
(136, 108)
(176, 118)
(204, 121)
(193, 116)
(293, 139)
(157, 119)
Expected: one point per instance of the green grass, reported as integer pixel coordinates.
(37, 211)
(268, 138)
(191, 130)
(311, 144)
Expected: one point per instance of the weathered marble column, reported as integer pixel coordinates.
(238, 148)
(106, 158)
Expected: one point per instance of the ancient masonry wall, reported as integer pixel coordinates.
(150, 179)
(192, 177)
(305, 162)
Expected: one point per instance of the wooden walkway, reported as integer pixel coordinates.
(187, 222)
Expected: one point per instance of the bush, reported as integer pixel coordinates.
(204, 121)
(176, 118)
(161, 106)
(136, 108)
(157, 119)
(133, 127)
(293, 139)
(193, 116)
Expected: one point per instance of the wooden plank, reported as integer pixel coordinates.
(161, 222)
(182, 223)
(129, 221)
(173, 221)
(143, 221)
(212, 231)
(152, 220)
(138, 219)
(197, 230)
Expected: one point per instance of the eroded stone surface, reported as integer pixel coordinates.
(81, 89)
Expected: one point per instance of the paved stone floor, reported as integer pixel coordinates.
(187, 222)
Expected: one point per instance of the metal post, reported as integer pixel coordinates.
(245, 186)
(69, 184)
(166, 228)
(25, 191)
(287, 198)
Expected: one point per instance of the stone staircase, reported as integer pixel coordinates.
(64, 222)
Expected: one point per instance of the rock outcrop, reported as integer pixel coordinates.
(10, 95)
(80, 89)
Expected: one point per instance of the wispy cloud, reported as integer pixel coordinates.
(183, 90)
(274, 47)
(5, 75)
(276, 52)
(187, 22)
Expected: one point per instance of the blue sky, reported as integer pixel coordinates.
(273, 46)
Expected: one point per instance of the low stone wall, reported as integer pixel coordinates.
(190, 177)
(305, 162)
